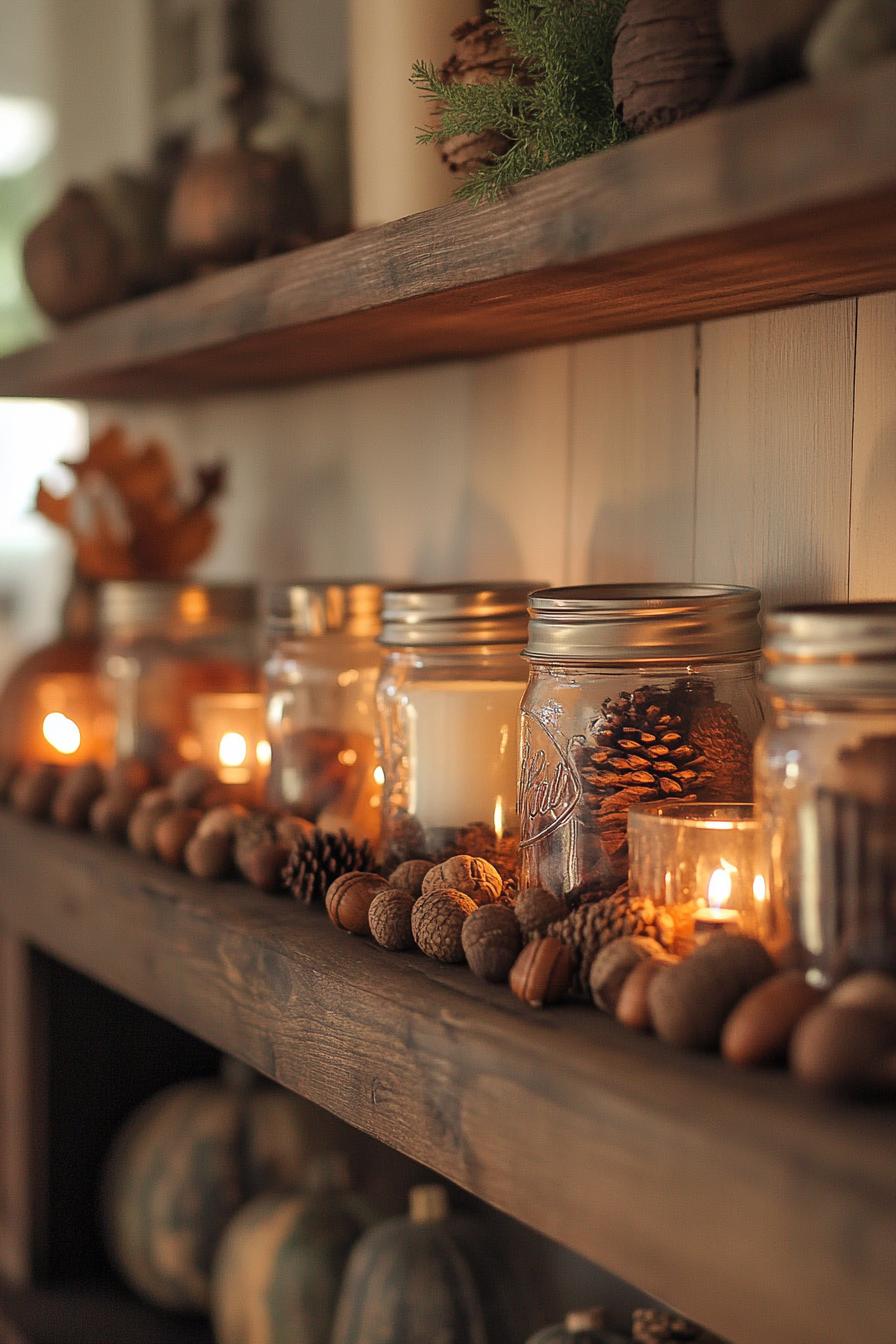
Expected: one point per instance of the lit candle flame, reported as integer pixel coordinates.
(263, 752)
(379, 774)
(232, 750)
(62, 733)
(718, 892)
(759, 888)
(499, 817)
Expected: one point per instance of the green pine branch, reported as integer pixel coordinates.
(560, 110)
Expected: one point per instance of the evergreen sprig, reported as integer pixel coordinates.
(555, 106)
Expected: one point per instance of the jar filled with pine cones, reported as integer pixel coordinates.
(637, 693)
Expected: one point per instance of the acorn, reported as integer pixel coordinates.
(846, 1049)
(190, 785)
(475, 878)
(150, 810)
(408, 876)
(612, 966)
(491, 940)
(690, 1001)
(209, 856)
(536, 908)
(75, 795)
(110, 813)
(389, 918)
(542, 973)
(349, 898)
(437, 921)
(130, 775)
(759, 1028)
(33, 790)
(632, 1006)
(222, 820)
(173, 832)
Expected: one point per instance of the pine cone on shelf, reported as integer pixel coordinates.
(481, 56)
(592, 926)
(318, 859)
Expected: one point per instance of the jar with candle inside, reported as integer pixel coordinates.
(321, 671)
(448, 716)
(637, 694)
(826, 783)
(167, 649)
(704, 864)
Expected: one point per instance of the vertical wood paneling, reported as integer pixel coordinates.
(633, 442)
(872, 566)
(774, 452)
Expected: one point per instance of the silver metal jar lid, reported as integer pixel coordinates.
(455, 614)
(643, 623)
(323, 606)
(131, 605)
(841, 647)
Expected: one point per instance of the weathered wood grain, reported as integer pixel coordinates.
(22, 1110)
(742, 1200)
(87, 1315)
(776, 202)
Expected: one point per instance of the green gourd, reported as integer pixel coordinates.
(279, 1265)
(409, 1281)
(180, 1168)
(579, 1327)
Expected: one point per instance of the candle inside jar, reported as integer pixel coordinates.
(716, 916)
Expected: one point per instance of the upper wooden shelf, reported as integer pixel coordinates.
(744, 1201)
(783, 200)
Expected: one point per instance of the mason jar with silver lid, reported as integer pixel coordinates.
(164, 645)
(637, 693)
(448, 712)
(826, 783)
(320, 675)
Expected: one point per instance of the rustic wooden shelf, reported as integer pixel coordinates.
(87, 1314)
(781, 201)
(741, 1199)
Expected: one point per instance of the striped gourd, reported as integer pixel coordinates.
(408, 1281)
(178, 1171)
(580, 1327)
(278, 1267)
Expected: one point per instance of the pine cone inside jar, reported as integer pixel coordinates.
(639, 752)
(403, 839)
(481, 56)
(591, 927)
(318, 859)
(717, 735)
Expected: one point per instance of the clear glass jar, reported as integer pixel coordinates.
(636, 694)
(320, 674)
(448, 714)
(826, 783)
(164, 645)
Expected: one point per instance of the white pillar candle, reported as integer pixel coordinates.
(462, 748)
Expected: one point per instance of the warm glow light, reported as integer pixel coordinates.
(348, 756)
(193, 605)
(719, 890)
(499, 817)
(379, 774)
(760, 891)
(263, 752)
(232, 749)
(348, 677)
(62, 733)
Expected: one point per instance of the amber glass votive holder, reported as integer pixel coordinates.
(702, 862)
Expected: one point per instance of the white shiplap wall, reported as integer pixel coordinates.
(758, 449)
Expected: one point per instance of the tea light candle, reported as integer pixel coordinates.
(716, 916)
(230, 733)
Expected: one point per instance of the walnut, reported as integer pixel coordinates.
(110, 813)
(173, 832)
(476, 878)
(209, 856)
(690, 1001)
(33, 789)
(491, 939)
(349, 898)
(536, 908)
(542, 973)
(222, 820)
(408, 876)
(612, 966)
(437, 920)
(389, 918)
(75, 795)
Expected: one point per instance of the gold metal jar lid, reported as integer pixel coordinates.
(323, 606)
(841, 647)
(643, 623)
(455, 614)
(131, 606)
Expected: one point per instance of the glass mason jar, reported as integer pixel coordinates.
(322, 664)
(163, 646)
(826, 783)
(448, 712)
(639, 693)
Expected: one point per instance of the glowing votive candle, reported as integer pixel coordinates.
(231, 740)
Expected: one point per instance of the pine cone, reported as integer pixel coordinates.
(717, 735)
(481, 56)
(403, 838)
(593, 926)
(316, 862)
(639, 753)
